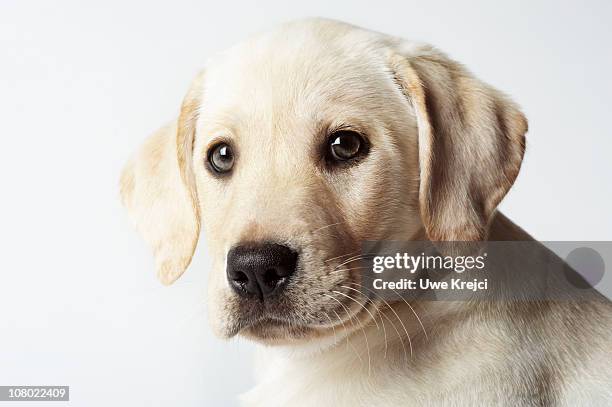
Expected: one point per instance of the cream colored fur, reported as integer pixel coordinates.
(445, 150)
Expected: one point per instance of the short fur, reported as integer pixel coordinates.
(445, 150)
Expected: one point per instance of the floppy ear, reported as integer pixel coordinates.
(471, 143)
(158, 190)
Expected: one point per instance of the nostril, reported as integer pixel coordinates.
(239, 280)
(271, 277)
(240, 277)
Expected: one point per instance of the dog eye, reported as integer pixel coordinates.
(221, 158)
(345, 145)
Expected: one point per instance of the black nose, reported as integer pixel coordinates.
(260, 270)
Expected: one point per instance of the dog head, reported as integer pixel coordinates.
(294, 147)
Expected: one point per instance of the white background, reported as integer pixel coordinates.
(82, 85)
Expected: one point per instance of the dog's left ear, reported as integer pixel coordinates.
(471, 143)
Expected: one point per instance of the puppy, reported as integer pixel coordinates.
(292, 149)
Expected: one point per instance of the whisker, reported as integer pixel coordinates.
(360, 304)
(333, 326)
(325, 227)
(342, 255)
(354, 258)
(394, 312)
(413, 311)
(348, 269)
(399, 335)
(381, 322)
(365, 336)
(348, 342)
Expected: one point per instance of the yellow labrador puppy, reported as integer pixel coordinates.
(293, 148)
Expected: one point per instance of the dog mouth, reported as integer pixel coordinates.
(271, 329)
(284, 326)
(274, 330)
(274, 323)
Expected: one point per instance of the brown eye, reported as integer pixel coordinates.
(345, 145)
(221, 158)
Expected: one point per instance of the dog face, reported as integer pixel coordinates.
(293, 148)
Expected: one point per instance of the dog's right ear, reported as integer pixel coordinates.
(159, 192)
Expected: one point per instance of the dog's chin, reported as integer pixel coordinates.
(276, 332)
